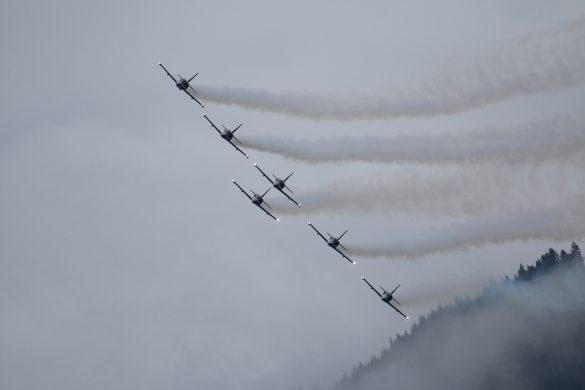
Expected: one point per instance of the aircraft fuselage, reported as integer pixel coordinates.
(182, 84)
(278, 184)
(257, 200)
(227, 135)
(333, 243)
(386, 297)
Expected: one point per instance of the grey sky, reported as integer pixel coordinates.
(129, 260)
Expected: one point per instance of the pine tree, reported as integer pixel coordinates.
(531, 271)
(522, 275)
(576, 257)
(565, 258)
(549, 260)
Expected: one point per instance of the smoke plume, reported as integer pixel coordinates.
(457, 192)
(557, 224)
(536, 63)
(554, 138)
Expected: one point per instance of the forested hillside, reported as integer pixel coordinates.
(525, 332)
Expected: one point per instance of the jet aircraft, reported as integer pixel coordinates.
(258, 200)
(228, 135)
(279, 184)
(183, 84)
(333, 242)
(387, 297)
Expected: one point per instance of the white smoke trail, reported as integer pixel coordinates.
(557, 224)
(456, 192)
(536, 63)
(554, 138)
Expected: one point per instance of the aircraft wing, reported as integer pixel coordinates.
(188, 92)
(241, 189)
(263, 174)
(238, 149)
(372, 287)
(319, 233)
(395, 308)
(287, 195)
(344, 256)
(190, 88)
(268, 213)
(165, 69)
(212, 124)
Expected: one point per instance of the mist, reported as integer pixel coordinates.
(562, 223)
(535, 63)
(501, 341)
(540, 140)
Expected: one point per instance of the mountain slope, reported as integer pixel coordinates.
(526, 333)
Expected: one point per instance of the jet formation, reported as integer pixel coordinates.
(258, 200)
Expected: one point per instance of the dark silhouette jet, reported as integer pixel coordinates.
(183, 84)
(258, 200)
(387, 297)
(228, 135)
(279, 184)
(333, 242)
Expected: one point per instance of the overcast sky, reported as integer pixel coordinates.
(128, 259)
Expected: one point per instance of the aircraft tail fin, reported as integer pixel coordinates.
(192, 77)
(395, 289)
(236, 129)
